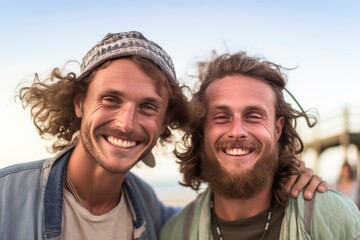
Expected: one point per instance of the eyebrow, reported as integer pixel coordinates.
(213, 109)
(220, 107)
(258, 108)
(156, 100)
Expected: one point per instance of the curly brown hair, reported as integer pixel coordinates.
(51, 102)
(188, 150)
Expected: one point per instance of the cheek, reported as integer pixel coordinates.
(210, 126)
(97, 116)
(153, 127)
(212, 133)
(268, 131)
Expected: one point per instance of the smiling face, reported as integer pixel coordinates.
(240, 136)
(122, 115)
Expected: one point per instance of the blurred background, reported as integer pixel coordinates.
(319, 39)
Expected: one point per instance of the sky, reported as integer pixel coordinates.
(320, 39)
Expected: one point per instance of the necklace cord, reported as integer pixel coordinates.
(217, 225)
(72, 190)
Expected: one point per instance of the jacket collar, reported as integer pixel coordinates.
(53, 199)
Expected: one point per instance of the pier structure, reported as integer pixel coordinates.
(340, 128)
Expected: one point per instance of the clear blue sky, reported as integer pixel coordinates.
(320, 38)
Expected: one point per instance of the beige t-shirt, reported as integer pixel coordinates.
(79, 223)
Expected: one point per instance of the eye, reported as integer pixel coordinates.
(254, 117)
(111, 101)
(148, 108)
(220, 118)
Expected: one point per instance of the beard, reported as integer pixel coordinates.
(243, 185)
(90, 149)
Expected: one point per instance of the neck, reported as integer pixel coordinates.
(98, 189)
(237, 209)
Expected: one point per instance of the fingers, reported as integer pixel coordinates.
(306, 181)
(302, 181)
(323, 186)
(316, 184)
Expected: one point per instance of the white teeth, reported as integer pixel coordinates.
(121, 143)
(237, 152)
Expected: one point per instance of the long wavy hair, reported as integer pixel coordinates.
(51, 102)
(188, 150)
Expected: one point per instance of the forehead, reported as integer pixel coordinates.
(126, 77)
(239, 90)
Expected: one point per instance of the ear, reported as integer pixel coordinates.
(279, 127)
(78, 104)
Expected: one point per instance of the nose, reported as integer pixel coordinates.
(238, 128)
(125, 118)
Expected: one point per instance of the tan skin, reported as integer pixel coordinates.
(126, 102)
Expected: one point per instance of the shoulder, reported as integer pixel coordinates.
(147, 199)
(332, 214)
(338, 213)
(19, 182)
(330, 204)
(335, 205)
(22, 168)
(187, 222)
(333, 199)
(142, 191)
(324, 201)
(138, 184)
(24, 177)
(173, 228)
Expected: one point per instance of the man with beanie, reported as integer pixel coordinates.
(103, 122)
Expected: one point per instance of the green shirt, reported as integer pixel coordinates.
(330, 215)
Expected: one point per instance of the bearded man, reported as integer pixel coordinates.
(242, 142)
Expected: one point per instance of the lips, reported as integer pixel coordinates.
(120, 143)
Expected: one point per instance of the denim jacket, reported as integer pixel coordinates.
(31, 199)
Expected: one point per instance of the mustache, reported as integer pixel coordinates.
(102, 130)
(245, 144)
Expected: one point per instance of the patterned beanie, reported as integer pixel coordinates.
(117, 45)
